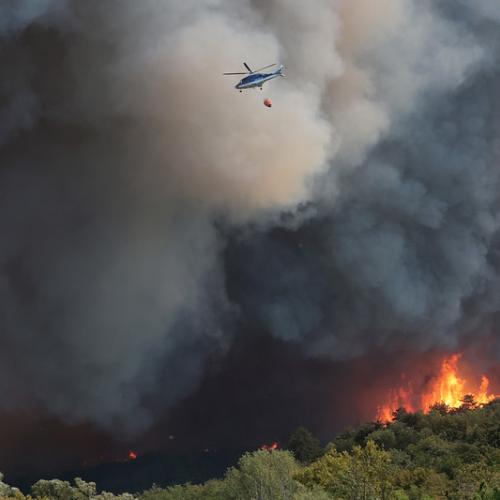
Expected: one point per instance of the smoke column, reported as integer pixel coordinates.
(147, 208)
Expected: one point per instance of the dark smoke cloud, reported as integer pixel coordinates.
(403, 255)
(146, 206)
(401, 251)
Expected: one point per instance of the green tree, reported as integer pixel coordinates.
(399, 414)
(304, 445)
(211, 490)
(371, 471)
(365, 474)
(263, 475)
(468, 402)
(440, 408)
(55, 489)
(330, 472)
(7, 491)
(344, 441)
(404, 435)
(385, 438)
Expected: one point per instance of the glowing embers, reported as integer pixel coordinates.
(448, 388)
(270, 447)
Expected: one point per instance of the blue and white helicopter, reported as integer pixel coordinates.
(255, 78)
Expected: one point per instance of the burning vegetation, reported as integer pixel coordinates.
(270, 447)
(448, 390)
(453, 455)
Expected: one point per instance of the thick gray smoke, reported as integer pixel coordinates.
(127, 160)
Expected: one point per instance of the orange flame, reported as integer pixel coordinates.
(448, 388)
(401, 397)
(270, 447)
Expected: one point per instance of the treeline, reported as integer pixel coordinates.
(445, 454)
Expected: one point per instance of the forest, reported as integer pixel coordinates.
(443, 454)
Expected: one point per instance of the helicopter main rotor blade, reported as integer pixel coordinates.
(265, 67)
(235, 73)
(247, 67)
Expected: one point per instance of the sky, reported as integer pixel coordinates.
(177, 258)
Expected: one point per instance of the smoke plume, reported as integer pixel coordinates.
(147, 208)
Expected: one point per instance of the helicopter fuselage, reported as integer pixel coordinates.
(258, 79)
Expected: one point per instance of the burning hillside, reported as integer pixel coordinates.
(449, 387)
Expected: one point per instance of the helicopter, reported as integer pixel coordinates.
(255, 78)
